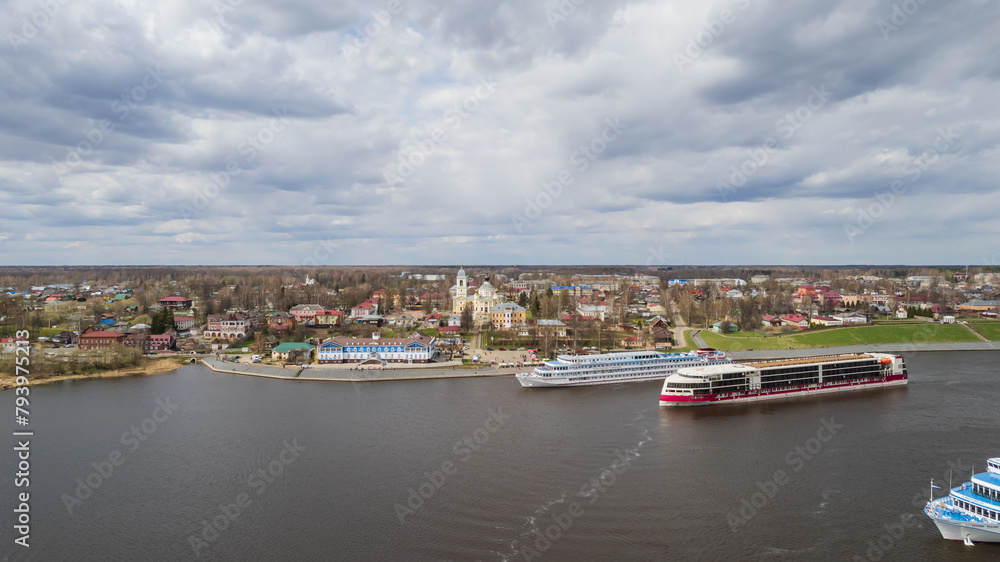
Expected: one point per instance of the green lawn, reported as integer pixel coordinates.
(863, 335)
(990, 329)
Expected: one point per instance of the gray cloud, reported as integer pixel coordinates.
(728, 158)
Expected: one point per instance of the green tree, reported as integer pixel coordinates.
(163, 321)
(142, 319)
(467, 317)
(522, 299)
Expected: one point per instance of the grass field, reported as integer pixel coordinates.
(990, 329)
(909, 333)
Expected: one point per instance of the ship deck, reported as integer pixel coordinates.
(762, 363)
(945, 509)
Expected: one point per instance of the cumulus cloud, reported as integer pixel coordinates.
(407, 132)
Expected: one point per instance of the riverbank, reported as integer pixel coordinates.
(323, 373)
(151, 367)
(875, 347)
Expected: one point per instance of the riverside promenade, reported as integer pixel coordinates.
(347, 373)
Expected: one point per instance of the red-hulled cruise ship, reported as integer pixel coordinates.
(767, 379)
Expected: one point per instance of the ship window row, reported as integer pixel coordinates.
(686, 385)
(989, 493)
(788, 370)
(978, 510)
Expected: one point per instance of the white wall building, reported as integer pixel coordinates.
(342, 349)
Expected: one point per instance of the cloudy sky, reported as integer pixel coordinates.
(516, 132)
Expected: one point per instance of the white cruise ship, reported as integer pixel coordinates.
(970, 512)
(611, 368)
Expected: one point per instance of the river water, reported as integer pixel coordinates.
(209, 466)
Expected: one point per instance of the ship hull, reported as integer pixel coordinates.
(683, 400)
(976, 532)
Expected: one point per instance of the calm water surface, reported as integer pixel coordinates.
(325, 471)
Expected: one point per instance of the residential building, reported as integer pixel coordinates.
(554, 327)
(796, 320)
(630, 342)
(280, 321)
(284, 351)
(227, 326)
(183, 323)
(176, 302)
(574, 290)
(157, 343)
(826, 321)
(100, 340)
(417, 348)
(64, 337)
(371, 319)
(507, 315)
(433, 320)
(771, 320)
(328, 318)
(851, 318)
(305, 313)
(406, 320)
(370, 306)
(978, 306)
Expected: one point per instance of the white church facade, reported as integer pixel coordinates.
(481, 301)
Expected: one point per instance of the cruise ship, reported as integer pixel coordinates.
(610, 368)
(781, 378)
(970, 512)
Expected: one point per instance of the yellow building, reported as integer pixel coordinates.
(507, 315)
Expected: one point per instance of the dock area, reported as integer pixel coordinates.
(344, 373)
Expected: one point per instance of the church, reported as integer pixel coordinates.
(481, 301)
